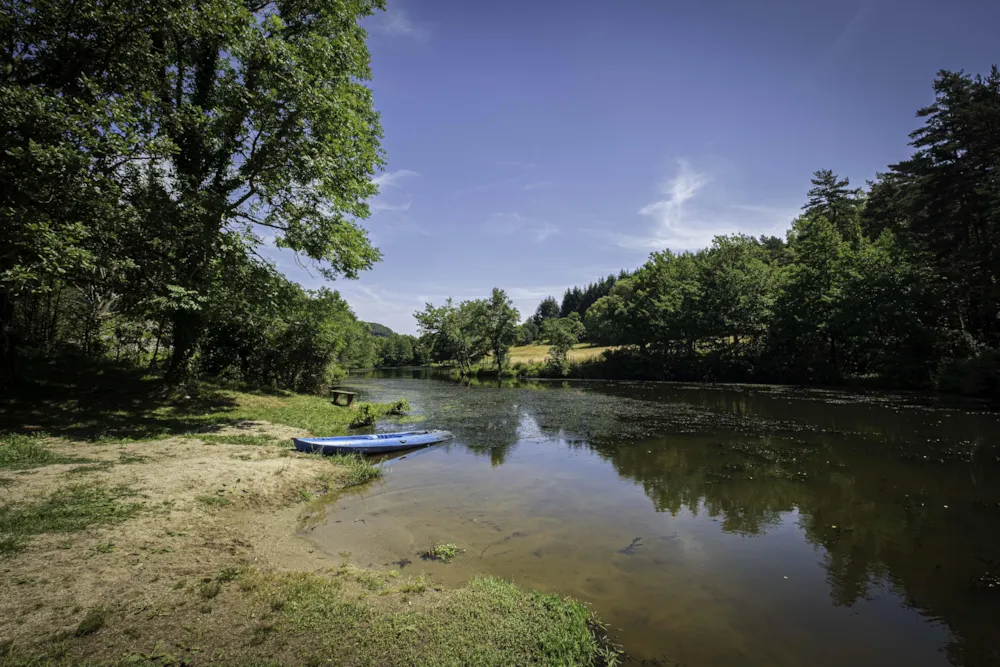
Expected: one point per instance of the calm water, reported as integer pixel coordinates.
(728, 525)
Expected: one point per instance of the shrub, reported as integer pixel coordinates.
(367, 416)
(400, 407)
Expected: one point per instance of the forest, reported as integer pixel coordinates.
(149, 151)
(146, 161)
(895, 284)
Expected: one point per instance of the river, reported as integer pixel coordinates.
(707, 525)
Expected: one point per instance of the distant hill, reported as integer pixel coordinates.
(380, 330)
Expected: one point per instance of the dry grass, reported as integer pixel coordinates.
(537, 353)
(192, 557)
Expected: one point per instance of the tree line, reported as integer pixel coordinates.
(896, 283)
(149, 149)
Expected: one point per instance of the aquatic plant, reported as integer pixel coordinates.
(443, 552)
(366, 416)
(400, 407)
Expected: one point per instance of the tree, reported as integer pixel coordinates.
(808, 314)
(529, 332)
(499, 323)
(832, 198)
(73, 116)
(945, 199)
(571, 302)
(547, 309)
(454, 333)
(562, 333)
(738, 289)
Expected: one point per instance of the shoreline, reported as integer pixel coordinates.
(188, 549)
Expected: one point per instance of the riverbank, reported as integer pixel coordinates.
(143, 531)
(977, 378)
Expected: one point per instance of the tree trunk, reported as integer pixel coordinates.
(8, 347)
(186, 329)
(156, 349)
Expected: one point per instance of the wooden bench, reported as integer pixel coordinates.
(349, 395)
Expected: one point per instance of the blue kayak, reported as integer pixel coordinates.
(370, 444)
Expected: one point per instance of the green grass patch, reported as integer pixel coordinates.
(214, 501)
(444, 552)
(489, 622)
(20, 452)
(357, 469)
(69, 509)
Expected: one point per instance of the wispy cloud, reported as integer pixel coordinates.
(388, 179)
(378, 206)
(535, 185)
(688, 216)
(504, 224)
(396, 22)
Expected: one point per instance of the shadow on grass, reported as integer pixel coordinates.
(86, 400)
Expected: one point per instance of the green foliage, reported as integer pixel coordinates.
(499, 320)
(366, 415)
(357, 470)
(400, 407)
(562, 333)
(19, 452)
(547, 309)
(444, 552)
(147, 145)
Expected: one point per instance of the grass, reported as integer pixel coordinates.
(489, 622)
(444, 552)
(538, 353)
(237, 439)
(92, 622)
(70, 509)
(109, 404)
(357, 470)
(213, 501)
(21, 452)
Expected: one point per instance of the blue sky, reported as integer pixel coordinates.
(539, 144)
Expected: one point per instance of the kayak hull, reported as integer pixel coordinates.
(370, 444)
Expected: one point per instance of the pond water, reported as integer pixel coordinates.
(707, 525)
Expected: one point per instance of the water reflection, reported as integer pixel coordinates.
(897, 501)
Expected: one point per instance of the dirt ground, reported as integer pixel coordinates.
(184, 536)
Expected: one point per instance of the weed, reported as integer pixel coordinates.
(210, 590)
(400, 407)
(103, 466)
(21, 452)
(92, 622)
(69, 509)
(444, 552)
(418, 585)
(214, 501)
(105, 547)
(367, 414)
(179, 585)
(228, 574)
(126, 457)
(357, 469)
(305, 496)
